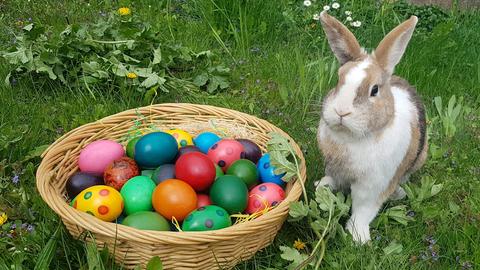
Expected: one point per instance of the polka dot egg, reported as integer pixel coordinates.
(225, 152)
(263, 196)
(182, 137)
(103, 202)
(207, 218)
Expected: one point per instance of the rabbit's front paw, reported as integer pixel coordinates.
(359, 232)
(326, 181)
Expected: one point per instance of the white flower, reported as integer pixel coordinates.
(335, 5)
(349, 19)
(316, 16)
(356, 24)
(348, 13)
(326, 8)
(307, 3)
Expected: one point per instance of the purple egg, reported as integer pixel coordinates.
(187, 149)
(163, 172)
(252, 150)
(80, 181)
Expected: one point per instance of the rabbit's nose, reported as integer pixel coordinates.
(342, 113)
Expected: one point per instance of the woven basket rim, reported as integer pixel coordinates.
(58, 204)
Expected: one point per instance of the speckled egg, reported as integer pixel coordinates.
(119, 171)
(182, 137)
(267, 171)
(103, 202)
(96, 156)
(263, 196)
(207, 218)
(225, 152)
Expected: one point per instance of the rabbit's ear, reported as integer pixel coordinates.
(391, 48)
(342, 42)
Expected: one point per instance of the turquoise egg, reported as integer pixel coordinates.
(155, 149)
(207, 218)
(205, 140)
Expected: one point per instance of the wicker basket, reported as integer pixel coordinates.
(220, 249)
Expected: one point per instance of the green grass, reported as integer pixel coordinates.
(282, 81)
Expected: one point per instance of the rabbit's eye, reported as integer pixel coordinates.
(374, 91)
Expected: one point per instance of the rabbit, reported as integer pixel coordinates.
(372, 131)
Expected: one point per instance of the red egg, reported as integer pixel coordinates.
(196, 169)
(263, 196)
(225, 152)
(120, 171)
(203, 200)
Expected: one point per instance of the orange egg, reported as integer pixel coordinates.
(174, 198)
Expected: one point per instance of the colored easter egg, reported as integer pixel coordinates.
(267, 171)
(225, 152)
(131, 147)
(203, 200)
(80, 181)
(147, 220)
(155, 149)
(263, 196)
(252, 150)
(147, 173)
(207, 218)
(187, 149)
(196, 169)
(103, 202)
(182, 137)
(119, 171)
(230, 193)
(96, 156)
(218, 171)
(163, 172)
(205, 140)
(174, 198)
(245, 170)
(137, 194)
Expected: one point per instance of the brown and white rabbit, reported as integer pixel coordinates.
(373, 131)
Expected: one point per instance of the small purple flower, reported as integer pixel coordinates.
(13, 81)
(434, 256)
(411, 213)
(102, 13)
(257, 81)
(13, 227)
(15, 179)
(378, 238)
(29, 19)
(431, 240)
(30, 228)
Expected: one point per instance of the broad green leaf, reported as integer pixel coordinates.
(201, 80)
(152, 80)
(325, 198)
(292, 255)
(28, 27)
(298, 210)
(393, 248)
(454, 208)
(157, 56)
(319, 225)
(155, 263)
(436, 189)
(438, 105)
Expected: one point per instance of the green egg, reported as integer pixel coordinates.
(245, 170)
(218, 171)
(131, 146)
(147, 173)
(137, 194)
(147, 220)
(230, 193)
(207, 218)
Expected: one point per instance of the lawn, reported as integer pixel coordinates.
(279, 69)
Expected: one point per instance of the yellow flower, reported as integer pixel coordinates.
(124, 11)
(3, 218)
(298, 244)
(132, 75)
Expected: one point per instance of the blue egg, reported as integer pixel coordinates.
(266, 171)
(205, 140)
(155, 149)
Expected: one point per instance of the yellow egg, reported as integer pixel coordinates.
(182, 137)
(103, 202)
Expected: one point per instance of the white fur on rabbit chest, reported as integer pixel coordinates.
(372, 161)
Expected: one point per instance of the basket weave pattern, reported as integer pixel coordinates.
(220, 249)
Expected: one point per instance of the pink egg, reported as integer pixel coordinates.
(96, 156)
(225, 152)
(263, 196)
